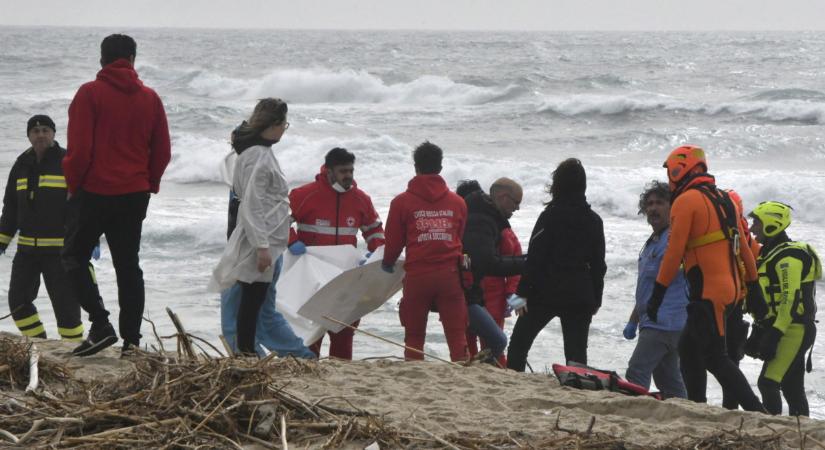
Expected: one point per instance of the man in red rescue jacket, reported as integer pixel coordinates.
(330, 211)
(118, 148)
(428, 219)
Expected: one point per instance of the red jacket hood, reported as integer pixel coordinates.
(429, 187)
(121, 74)
(322, 179)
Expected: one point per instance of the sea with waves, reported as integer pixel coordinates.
(499, 104)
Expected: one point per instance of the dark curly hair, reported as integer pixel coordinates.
(467, 187)
(657, 188)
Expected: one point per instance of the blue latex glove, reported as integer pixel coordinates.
(389, 268)
(516, 302)
(630, 330)
(298, 248)
(96, 252)
(364, 258)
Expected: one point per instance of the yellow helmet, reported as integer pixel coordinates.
(775, 217)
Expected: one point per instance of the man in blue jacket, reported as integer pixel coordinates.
(657, 351)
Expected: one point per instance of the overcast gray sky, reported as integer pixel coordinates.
(424, 14)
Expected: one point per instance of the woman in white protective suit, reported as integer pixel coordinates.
(262, 231)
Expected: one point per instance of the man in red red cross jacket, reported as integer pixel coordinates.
(331, 211)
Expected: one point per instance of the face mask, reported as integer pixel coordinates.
(338, 187)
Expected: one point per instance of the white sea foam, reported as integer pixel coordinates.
(384, 165)
(345, 86)
(810, 111)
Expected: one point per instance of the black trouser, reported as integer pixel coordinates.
(120, 218)
(736, 333)
(575, 327)
(793, 383)
(703, 348)
(24, 286)
(252, 297)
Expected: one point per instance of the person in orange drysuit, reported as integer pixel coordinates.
(706, 237)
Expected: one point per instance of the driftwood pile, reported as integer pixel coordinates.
(193, 400)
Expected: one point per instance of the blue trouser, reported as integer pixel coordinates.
(657, 353)
(484, 326)
(271, 331)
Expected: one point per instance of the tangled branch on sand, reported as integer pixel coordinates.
(15, 357)
(177, 401)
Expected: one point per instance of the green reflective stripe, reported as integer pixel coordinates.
(92, 271)
(26, 321)
(71, 332)
(52, 181)
(73, 338)
(34, 332)
(4, 238)
(25, 240)
(22, 184)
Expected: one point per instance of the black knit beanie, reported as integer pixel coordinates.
(40, 120)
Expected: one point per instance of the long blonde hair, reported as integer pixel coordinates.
(269, 111)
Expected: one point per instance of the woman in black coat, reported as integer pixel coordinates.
(565, 269)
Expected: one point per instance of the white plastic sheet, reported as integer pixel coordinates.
(354, 293)
(327, 281)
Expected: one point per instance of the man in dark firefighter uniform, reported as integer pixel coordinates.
(34, 205)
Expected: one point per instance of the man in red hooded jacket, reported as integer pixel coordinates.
(118, 148)
(428, 219)
(330, 211)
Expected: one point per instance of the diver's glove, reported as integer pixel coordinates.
(769, 343)
(753, 341)
(389, 268)
(755, 301)
(655, 301)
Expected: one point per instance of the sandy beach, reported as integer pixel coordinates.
(442, 403)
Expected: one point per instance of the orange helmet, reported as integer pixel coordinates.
(682, 161)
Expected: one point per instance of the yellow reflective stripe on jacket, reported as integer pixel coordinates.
(22, 184)
(50, 242)
(39, 242)
(52, 181)
(26, 321)
(5, 239)
(706, 239)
